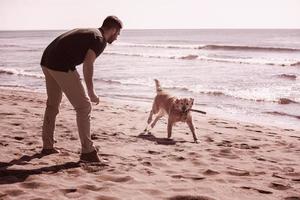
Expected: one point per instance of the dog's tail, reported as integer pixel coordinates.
(158, 87)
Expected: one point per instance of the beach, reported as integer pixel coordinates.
(233, 159)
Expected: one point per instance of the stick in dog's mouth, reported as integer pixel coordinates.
(198, 111)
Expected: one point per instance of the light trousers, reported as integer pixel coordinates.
(70, 84)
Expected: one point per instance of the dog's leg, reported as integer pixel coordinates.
(148, 122)
(170, 125)
(150, 117)
(191, 126)
(158, 116)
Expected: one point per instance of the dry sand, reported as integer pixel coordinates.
(233, 160)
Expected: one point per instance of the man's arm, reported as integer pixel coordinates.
(88, 71)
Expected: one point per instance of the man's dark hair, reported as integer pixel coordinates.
(112, 22)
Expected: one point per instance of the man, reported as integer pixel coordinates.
(59, 63)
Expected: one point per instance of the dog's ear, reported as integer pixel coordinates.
(192, 101)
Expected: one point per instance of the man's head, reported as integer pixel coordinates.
(111, 27)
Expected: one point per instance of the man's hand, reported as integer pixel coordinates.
(88, 70)
(93, 97)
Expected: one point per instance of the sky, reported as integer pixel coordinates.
(150, 14)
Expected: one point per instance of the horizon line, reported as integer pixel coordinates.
(3, 30)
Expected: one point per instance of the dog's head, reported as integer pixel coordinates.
(184, 104)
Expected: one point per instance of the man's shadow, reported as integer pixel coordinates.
(9, 176)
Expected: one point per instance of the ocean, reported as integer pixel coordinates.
(248, 75)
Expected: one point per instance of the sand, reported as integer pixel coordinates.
(232, 160)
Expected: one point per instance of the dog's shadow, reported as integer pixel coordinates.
(162, 141)
(9, 176)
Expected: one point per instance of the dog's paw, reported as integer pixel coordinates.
(147, 131)
(196, 141)
(142, 133)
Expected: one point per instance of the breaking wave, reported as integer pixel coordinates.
(211, 47)
(209, 59)
(18, 72)
(283, 114)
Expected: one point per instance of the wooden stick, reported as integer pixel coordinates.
(198, 111)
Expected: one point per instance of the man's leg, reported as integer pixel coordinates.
(54, 94)
(71, 85)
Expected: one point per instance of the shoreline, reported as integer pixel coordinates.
(233, 160)
(145, 106)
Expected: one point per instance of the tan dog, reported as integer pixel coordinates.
(176, 109)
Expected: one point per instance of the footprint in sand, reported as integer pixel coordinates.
(226, 153)
(69, 190)
(68, 131)
(256, 139)
(212, 122)
(238, 172)
(210, 172)
(33, 185)
(219, 133)
(292, 198)
(294, 176)
(16, 124)
(258, 190)
(192, 177)
(14, 192)
(249, 126)
(91, 187)
(18, 138)
(252, 130)
(209, 139)
(242, 146)
(153, 152)
(7, 113)
(119, 179)
(176, 158)
(179, 149)
(190, 197)
(279, 186)
(288, 129)
(3, 144)
(231, 127)
(133, 128)
(271, 133)
(261, 159)
(146, 163)
(104, 197)
(225, 143)
(74, 172)
(152, 192)
(288, 169)
(293, 136)
(220, 122)
(194, 155)
(245, 146)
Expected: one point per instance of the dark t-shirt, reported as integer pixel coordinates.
(69, 49)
